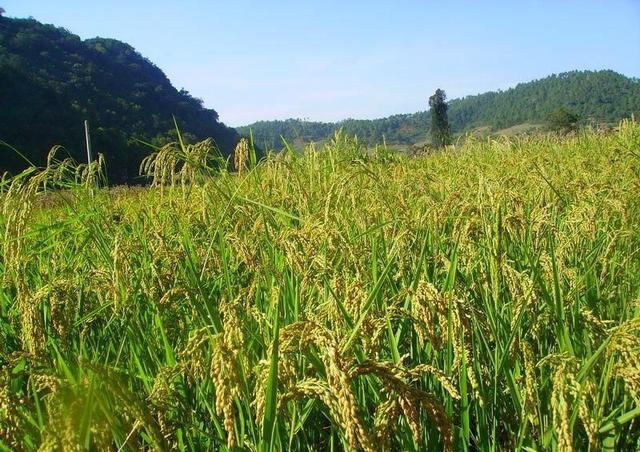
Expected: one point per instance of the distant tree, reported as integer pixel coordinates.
(563, 120)
(440, 129)
(2, 11)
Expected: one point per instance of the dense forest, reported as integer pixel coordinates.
(596, 96)
(51, 81)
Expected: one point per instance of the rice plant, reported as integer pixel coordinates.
(483, 298)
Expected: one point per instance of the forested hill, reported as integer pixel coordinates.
(51, 81)
(598, 97)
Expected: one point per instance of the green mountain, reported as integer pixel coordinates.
(51, 81)
(597, 96)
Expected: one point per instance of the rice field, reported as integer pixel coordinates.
(484, 298)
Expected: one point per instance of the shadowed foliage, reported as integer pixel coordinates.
(52, 81)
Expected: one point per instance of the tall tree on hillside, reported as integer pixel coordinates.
(440, 129)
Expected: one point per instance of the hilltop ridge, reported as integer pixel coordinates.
(52, 81)
(597, 96)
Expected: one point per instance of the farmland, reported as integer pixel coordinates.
(483, 298)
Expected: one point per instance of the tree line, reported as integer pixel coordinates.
(595, 97)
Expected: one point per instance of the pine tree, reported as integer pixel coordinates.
(440, 129)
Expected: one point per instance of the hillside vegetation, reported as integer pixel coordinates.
(486, 298)
(598, 97)
(51, 81)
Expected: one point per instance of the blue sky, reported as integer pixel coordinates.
(330, 60)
